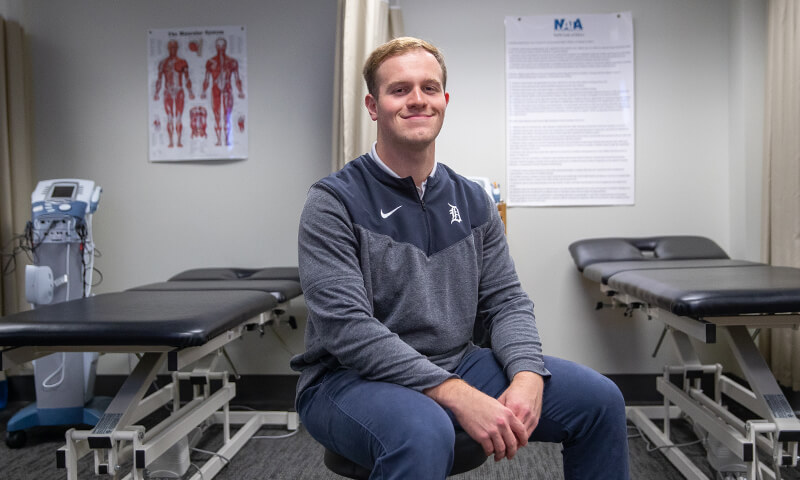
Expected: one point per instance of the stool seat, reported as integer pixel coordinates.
(468, 455)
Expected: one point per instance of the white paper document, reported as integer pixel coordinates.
(570, 110)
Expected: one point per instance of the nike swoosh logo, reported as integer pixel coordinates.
(387, 214)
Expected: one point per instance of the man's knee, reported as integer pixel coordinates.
(609, 397)
(583, 388)
(602, 404)
(426, 448)
(429, 429)
(438, 437)
(377, 422)
(582, 401)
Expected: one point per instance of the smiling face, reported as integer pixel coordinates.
(410, 100)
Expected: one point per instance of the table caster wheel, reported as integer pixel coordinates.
(16, 439)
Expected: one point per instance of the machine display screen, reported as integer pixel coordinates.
(62, 191)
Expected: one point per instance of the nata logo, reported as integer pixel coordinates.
(564, 25)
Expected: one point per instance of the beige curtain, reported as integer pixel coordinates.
(16, 172)
(362, 26)
(781, 202)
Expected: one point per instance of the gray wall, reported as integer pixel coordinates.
(699, 101)
(699, 108)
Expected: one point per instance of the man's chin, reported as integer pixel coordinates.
(422, 137)
(418, 143)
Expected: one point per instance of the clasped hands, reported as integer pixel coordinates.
(501, 425)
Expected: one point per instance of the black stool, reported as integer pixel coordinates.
(468, 455)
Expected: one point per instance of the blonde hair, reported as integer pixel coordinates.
(393, 48)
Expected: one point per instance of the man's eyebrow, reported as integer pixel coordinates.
(428, 81)
(398, 83)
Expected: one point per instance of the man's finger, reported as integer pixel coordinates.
(488, 447)
(501, 445)
(511, 445)
(520, 432)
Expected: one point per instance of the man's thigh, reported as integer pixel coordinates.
(575, 397)
(569, 398)
(481, 370)
(361, 419)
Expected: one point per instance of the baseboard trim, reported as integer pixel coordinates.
(276, 392)
(638, 388)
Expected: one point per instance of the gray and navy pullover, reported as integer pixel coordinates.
(394, 283)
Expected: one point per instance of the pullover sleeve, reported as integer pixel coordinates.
(504, 306)
(340, 314)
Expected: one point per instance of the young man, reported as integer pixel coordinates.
(399, 256)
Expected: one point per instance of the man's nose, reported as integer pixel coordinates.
(416, 97)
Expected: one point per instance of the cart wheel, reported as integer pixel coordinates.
(16, 439)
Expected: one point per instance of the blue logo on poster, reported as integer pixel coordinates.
(564, 25)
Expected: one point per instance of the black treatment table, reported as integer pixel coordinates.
(691, 285)
(183, 324)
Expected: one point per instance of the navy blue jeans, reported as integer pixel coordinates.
(400, 433)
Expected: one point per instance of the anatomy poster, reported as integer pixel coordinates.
(570, 110)
(197, 93)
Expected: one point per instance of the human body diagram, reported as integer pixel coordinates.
(222, 69)
(172, 70)
(223, 93)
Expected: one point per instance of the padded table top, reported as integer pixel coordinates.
(236, 273)
(282, 290)
(149, 318)
(603, 271)
(687, 276)
(646, 249)
(714, 292)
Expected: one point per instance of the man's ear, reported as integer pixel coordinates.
(372, 106)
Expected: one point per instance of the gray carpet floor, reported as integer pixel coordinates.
(300, 457)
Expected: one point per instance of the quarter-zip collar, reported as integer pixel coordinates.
(377, 159)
